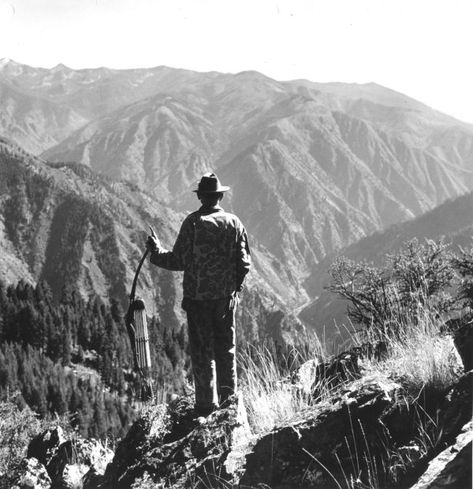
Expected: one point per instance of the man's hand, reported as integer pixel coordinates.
(152, 244)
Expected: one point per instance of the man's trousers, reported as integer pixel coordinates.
(212, 343)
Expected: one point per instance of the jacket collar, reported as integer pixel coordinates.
(210, 210)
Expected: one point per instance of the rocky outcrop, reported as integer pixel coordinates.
(45, 446)
(453, 413)
(368, 422)
(348, 437)
(172, 447)
(56, 462)
(305, 453)
(451, 468)
(76, 461)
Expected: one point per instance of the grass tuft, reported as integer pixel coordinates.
(418, 355)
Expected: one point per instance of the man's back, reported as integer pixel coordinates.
(216, 254)
(212, 249)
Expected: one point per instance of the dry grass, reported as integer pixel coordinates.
(270, 392)
(418, 355)
(267, 392)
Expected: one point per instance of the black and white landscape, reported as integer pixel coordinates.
(90, 158)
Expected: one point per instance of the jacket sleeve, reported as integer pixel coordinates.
(243, 258)
(179, 258)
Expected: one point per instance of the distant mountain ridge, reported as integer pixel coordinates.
(313, 167)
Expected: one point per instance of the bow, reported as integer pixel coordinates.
(136, 324)
(130, 315)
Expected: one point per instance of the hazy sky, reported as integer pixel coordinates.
(422, 48)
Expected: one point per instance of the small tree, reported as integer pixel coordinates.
(423, 273)
(368, 290)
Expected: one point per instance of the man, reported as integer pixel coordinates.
(212, 249)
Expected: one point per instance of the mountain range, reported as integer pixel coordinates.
(75, 229)
(313, 167)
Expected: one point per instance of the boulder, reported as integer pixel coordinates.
(70, 477)
(169, 446)
(92, 479)
(45, 445)
(313, 374)
(463, 339)
(302, 454)
(456, 409)
(81, 453)
(452, 467)
(74, 459)
(67, 462)
(31, 474)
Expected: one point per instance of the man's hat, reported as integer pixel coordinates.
(210, 184)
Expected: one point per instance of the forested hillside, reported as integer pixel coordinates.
(73, 357)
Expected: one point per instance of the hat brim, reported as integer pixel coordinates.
(223, 188)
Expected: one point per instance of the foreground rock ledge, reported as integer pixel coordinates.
(172, 448)
(452, 467)
(302, 454)
(167, 447)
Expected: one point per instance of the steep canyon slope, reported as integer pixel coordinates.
(72, 228)
(451, 222)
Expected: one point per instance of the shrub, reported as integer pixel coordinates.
(17, 428)
(391, 298)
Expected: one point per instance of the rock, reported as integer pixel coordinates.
(92, 479)
(153, 424)
(73, 460)
(168, 445)
(345, 366)
(44, 446)
(452, 412)
(301, 454)
(31, 474)
(71, 477)
(452, 467)
(306, 375)
(463, 339)
(68, 461)
(457, 408)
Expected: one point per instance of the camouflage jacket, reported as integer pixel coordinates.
(212, 249)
